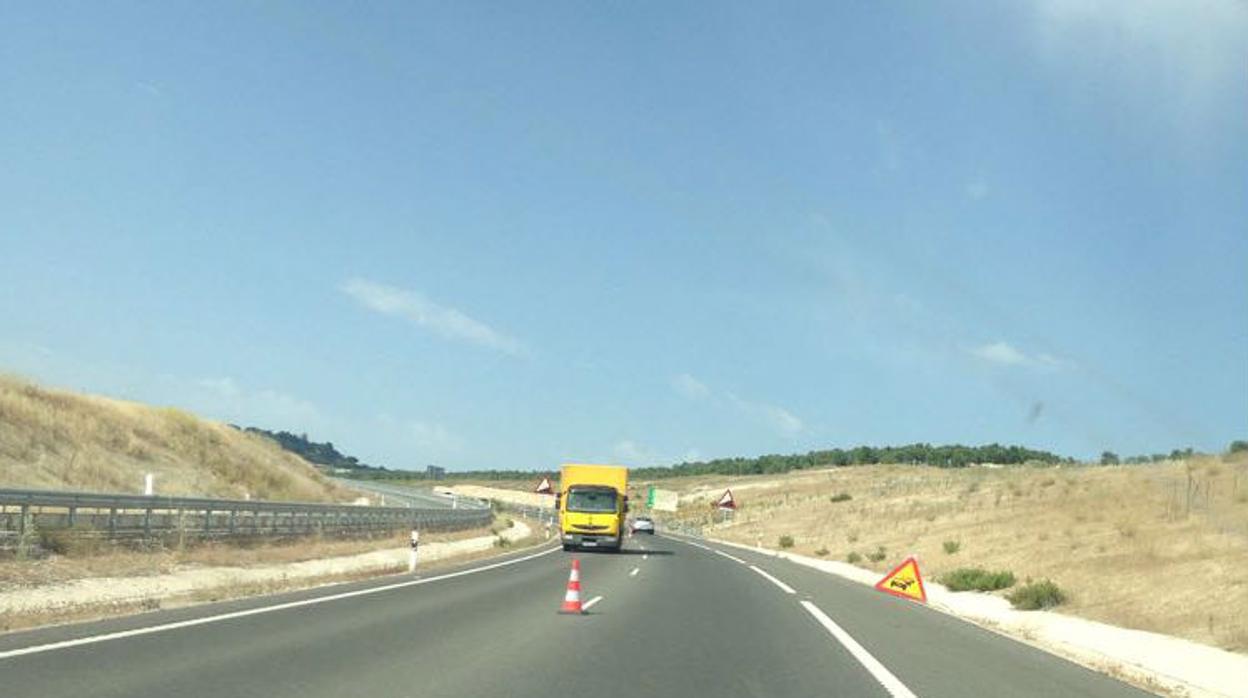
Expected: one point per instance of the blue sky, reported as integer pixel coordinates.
(493, 236)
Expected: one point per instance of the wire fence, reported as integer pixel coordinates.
(28, 517)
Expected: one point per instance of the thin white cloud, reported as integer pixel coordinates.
(977, 190)
(224, 398)
(431, 440)
(689, 387)
(1005, 354)
(774, 416)
(444, 321)
(632, 453)
(225, 387)
(433, 437)
(1183, 57)
(888, 147)
(1001, 353)
(149, 87)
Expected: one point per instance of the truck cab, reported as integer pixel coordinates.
(592, 506)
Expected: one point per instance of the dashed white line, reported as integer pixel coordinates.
(634, 572)
(734, 558)
(36, 649)
(645, 557)
(591, 602)
(785, 587)
(891, 683)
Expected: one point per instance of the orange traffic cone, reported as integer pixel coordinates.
(572, 599)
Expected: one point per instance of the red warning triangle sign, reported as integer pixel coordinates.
(545, 487)
(904, 581)
(726, 501)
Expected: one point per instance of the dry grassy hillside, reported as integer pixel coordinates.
(53, 439)
(1160, 547)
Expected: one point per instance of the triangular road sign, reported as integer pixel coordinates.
(726, 501)
(904, 581)
(545, 487)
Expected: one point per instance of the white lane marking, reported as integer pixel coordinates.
(64, 644)
(591, 602)
(697, 545)
(734, 558)
(891, 683)
(634, 572)
(645, 557)
(787, 589)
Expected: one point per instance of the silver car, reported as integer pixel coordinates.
(643, 524)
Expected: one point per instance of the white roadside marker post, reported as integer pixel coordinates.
(149, 485)
(411, 556)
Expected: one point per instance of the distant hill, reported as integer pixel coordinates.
(945, 456)
(323, 454)
(57, 439)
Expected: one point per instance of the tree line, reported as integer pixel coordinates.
(946, 456)
(323, 454)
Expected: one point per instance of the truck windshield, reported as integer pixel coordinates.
(591, 500)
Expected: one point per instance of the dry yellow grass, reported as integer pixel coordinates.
(1156, 547)
(54, 439)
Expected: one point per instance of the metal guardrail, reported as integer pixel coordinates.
(123, 516)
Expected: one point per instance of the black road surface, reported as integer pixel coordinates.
(675, 618)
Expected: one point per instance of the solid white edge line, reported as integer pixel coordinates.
(734, 558)
(64, 644)
(591, 602)
(891, 683)
(634, 572)
(787, 589)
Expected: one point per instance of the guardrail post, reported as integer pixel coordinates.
(112, 521)
(73, 515)
(207, 520)
(21, 522)
(233, 517)
(147, 523)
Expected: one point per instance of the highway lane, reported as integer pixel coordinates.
(673, 620)
(398, 495)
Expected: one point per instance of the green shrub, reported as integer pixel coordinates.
(842, 497)
(1034, 596)
(822, 552)
(786, 541)
(878, 555)
(853, 558)
(977, 579)
(852, 537)
(951, 546)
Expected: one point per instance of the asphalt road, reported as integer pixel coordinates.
(674, 619)
(398, 495)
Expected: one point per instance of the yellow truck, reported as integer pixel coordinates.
(593, 501)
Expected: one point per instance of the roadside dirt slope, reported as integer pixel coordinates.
(56, 439)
